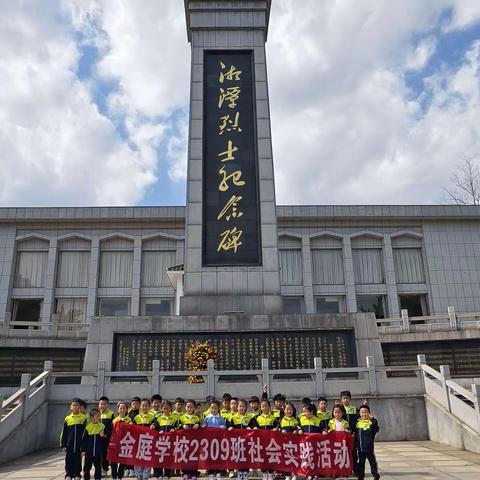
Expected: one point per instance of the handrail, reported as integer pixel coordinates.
(431, 371)
(449, 321)
(39, 378)
(13, 398)
(444, 391)
(460, 390)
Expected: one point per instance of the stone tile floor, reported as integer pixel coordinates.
(397, 460)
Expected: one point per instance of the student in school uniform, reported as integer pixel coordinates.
(107, 417)
(323, 413)
(288, 423)
(352, 417)
(93, 445)
(145, 418)
(265, 421)
(156, 404)
(214, 420)
(165, 422)
(71, 438)
(189, 420)
(241, 420)
(365, 431)
(118, 469)
(309, 422)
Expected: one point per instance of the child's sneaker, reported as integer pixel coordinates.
(218, 476)
(68, 478)
(264, 476)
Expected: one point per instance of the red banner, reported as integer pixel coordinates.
(309, 454)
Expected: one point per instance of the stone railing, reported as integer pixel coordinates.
(56, 328)
(366, 381)
(451, 321)
(462, 403)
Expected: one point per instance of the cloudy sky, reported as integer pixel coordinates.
(372, 101)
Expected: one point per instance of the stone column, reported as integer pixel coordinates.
(7, 268)
(351, 297)
(307, 275)
(49, 289)
(390, 280)
(93, 278)
(136, 280)
(239, 25)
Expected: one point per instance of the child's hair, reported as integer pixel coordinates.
(168, 403)
(322, 399)
(94, 411)
(121, 403)
(179, 400)
(156, 397)
(365, 406)
(214, 402)
(345, 393)
(242, 400)
(311, 408)
(145, 400)
(341, 407)
(290, 404)
(235, 398)
(279, 397)
(104, 399)
(76, 400)
(83, 403)
(226, 396)
(209, 398)
(254, 399)
(135, 399)
(193, 402)
(265, 401)
(306, 401)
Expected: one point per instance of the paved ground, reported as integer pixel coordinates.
(397, 460)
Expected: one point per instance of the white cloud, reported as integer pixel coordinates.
(352, 131)
(465, 14)
(346, 126)
(419, 57)
(147, 53)
(56, 146)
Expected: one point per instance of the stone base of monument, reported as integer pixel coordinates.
(241, 304)
(131, 344)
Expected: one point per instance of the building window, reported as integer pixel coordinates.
(329, 304)
(327, 267)
(153, 307)
(415, 304)
(113, 307)
(116, 269)
(368, 266)
(154, 268)
(372, 303)
(30, 269)
(291, 267)
(293, 305)
(27, 311)
(73, 269)
(72, 310)
(408, 265)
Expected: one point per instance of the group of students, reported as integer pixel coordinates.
(88, 437)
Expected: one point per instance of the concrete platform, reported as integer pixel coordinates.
(397, 460)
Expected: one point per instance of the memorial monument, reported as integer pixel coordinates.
(231, 277)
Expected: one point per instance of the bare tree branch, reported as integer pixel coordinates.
(465, 185)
